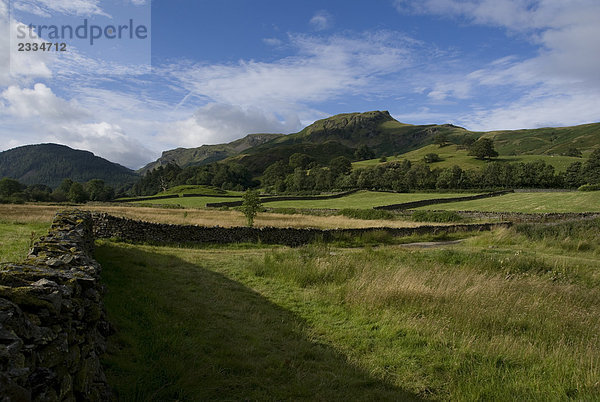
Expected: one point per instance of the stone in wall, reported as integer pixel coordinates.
(53, 326)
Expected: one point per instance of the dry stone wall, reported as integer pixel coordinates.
(282, 198)
(434, 201)
(107, 226)
(52, 321)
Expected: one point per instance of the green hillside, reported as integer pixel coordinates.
(49, 164)
(454, 155)
(549, 141)
(341, 135)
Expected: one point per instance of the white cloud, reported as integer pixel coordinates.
(534, 111)
(321, 21)
(273, 41)
(321, 70)
(221, 123)
(39, 115)
(105, 140)
(47, 8)
(457, 89)
(39, 102)
(563, 72)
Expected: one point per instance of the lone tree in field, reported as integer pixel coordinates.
(251, 205)
(483, 148)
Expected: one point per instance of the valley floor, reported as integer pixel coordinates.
(509, 314)
(502, 313)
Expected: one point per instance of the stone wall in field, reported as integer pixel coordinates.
(128, 230)
(282, 198)
(434, 201)
(52, 320)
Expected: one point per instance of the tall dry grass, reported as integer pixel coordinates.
(489, 325)
(45, 213)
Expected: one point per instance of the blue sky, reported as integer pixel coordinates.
(223, 69)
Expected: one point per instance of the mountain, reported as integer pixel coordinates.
(49, 164)
(341, 135)
(208, 153)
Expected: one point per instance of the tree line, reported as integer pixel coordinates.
(301, 173)
(225, 176)
(406, 176)
(12, 191)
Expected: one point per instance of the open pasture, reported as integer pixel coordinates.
(514, 312)
(534, 202)
(204, 217)
(361, 200)
(453, 155)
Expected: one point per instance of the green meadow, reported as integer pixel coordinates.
(509, 312)
(452, 155)
(513, 312)
(361, 200)
(16, 238)
(535, 202)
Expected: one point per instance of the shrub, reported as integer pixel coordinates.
(436, 216)
(367, 214)
(431, 158)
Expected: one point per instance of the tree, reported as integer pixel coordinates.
(450, 178)
(9, 187)
(591, 168)
(251, 205)
(573, 176)
(467, 142)
(573, 151)
(340, 166)
(299, 160)
(483, 148)
(430, 158)
(77, 193)
(364, 152)
(65, 186)
(99, 191)
(274, 173)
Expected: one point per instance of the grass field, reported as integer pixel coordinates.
(45, 213)
(191, 189)
(16, 238)
(361, 200)
(451, 156)
(575, 201)
(514, 313)
(190, 202)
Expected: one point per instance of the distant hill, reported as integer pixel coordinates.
(49, 164)
(342, 134)
(545, 141)
(205, 154)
